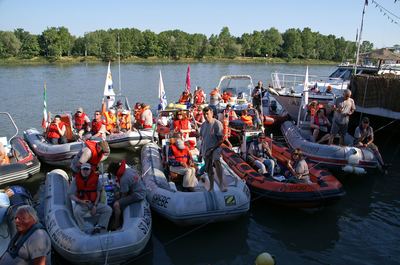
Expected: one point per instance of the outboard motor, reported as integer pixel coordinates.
(353, 156)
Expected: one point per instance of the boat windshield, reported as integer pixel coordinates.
(236, 86)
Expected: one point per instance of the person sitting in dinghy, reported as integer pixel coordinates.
(4, 160)
(146, 117)
(93, 153)
(98, 128)
(364, 137)
(56, 131)
(261, 152)
(81, 122)
(180, 162)
(124, 120)
(298, 168)
(131, 189)
(85, 190)
(320, 126)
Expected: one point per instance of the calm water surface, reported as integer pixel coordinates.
(362, 228)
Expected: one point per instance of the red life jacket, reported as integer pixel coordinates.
(80, 122)
(181, 125)
(87, 190)
(183, 99)
(181, 156)
(226, 131)
(53, 130)
(96, 156)
(230, 114)
(96, 126)
(199, 98)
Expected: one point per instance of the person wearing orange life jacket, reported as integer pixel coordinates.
(146, 117)
(93, 153)
(137, 112)
(181, 124)
(85, 190)
(180, 162)
(124, 120)
(226, 130)
(228, 111)
(185, 97)
(198, 115)
(81, 122)
(247, 119)
(226, 96)
(215, 97)
(199, 96)
(110, 118)
(56, 131)
(4, 160)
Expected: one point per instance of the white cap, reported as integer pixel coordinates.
(86, 165)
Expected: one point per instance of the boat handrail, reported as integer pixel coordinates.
(282, 80)
(13, 122)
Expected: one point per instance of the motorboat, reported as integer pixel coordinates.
(22, 161)
(347, 158)
(78, 247)
(189, 208)
(239, 87)
(324, 188)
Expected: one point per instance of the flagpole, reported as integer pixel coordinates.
(304, 98)
(359, 37)
(119, 65)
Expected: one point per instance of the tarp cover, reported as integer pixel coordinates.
(382, 91)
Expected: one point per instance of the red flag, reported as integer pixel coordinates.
(187, 87)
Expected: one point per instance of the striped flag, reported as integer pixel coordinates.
(45, 116)
(161, 94)
(187, 86)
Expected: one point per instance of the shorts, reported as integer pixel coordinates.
(340, 129)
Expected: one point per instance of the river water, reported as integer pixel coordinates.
(362, 228)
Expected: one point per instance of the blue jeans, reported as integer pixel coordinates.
(267, 163)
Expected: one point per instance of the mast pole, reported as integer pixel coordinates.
(360, 37)
(119, 65)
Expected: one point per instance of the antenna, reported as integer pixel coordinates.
(359, 37)
(119, 65)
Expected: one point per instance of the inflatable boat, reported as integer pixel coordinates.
(23, 163)
(348, 158)
(189, 208)
(136, 138)
(81, 248)
(324, 189)
(57, 154)
(8, 208)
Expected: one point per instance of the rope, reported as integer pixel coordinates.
(380, 128)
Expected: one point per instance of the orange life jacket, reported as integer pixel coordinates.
(198, 115)
(226, 131)
(53, 130)
(214, 92)
(111, 122)
(199, 97)
(138, 114)
(226, 97)
(230, 114)
(96, 126)
(87, 190)
(80, 122)
(124, 121)
(247, 120)
(96, 156)
(178, 155)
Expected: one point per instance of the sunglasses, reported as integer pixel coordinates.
(97, 114)
(79, 111)
(85, 169)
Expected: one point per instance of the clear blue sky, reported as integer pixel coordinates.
(338, 17)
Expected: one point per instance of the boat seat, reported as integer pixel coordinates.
(66, 118)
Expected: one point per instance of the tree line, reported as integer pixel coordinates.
(56, 42)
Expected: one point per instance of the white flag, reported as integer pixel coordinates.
(161, 94)
(108, 94)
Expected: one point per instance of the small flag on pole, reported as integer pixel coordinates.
(161, 94)
(45, 116)
(187, 86)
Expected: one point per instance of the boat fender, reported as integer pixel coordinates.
(353, 156)
(354, 170)
(265, 259)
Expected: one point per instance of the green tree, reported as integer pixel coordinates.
(29, 43)
(66, 41)
(149, 45)
(272, 42)
(9, 44)
(366, 46)
(292, 44)
(308, 42)
(245, 41)
(256, 43)
(216, 48)
(50, 43)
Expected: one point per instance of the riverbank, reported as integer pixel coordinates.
(94, 60)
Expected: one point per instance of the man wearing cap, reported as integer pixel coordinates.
(31, 244)
(85, 190)
(261, 152)
(180, 162)
(81, 122)
(132, 188)
(124, 120)
(299, 168)
(364, 137)
(344, 107)
(93, 153)
(211, 134)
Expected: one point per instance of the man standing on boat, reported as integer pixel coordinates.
(31, 244)
(343, 107)
(93, 153)
(257, 95)
(85, 190)
(211, 133)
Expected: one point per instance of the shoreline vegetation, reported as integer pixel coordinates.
(41, 60)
